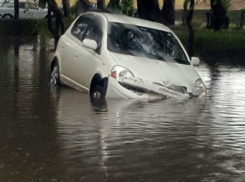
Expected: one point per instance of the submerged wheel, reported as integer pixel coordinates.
(55, 75)
(7, 16)
(98, 92)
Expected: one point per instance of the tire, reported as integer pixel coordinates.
(7, 16)
(98, 92)
(55, 75)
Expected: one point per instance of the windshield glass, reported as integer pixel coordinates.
(144, 42)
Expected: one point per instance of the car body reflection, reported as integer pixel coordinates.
(97, 136)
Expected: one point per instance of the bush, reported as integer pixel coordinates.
(18, 27)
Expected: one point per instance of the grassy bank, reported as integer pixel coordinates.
(227, 46)
(207, 40)
(19, 27)
(26, 27)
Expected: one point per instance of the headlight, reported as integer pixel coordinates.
(199, 88)
(119, 73)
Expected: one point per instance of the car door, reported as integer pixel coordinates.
(88, 61)
(22, 10)
(67, 51)
(31, 11)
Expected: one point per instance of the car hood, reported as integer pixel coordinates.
(162, 72)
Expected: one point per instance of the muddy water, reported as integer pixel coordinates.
(57, 134)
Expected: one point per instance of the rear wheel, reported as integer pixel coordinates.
(55, 75)
(7, 16)
(98, 92)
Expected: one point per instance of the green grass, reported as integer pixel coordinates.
(225, 46)
(208, 40)
(18, 28)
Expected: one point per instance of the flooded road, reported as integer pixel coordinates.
(49, 134)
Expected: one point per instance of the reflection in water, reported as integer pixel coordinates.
(58, 134)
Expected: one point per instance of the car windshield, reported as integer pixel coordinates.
(144, 42)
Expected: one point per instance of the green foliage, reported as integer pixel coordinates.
(114, 4)
(226, 4)
(127, 6)
(123, 6)
(209, 41)
(42, 3)
(73, 10)
(19, 28)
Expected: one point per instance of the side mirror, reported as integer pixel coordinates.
(89, 43)
(195, 61)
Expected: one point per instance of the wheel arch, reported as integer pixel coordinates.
(12, 16)
(53, 62)
(98, 80)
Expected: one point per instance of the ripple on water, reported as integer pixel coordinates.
(117, 140)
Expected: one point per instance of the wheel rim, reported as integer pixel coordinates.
(55, 75)
(97, 95)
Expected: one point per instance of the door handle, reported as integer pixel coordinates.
(76, 54)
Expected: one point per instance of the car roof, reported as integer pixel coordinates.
(134, 21)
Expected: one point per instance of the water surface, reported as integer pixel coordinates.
(57, 134)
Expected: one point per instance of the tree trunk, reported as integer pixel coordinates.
(168, 12)
(59, 25)
(101, 4)
(66, 7)
(219, 15)
(84, 6)
(16, 9)
(191, 31)
(149, 10)
(242, 20)
(114, 6)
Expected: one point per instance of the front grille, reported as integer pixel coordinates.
(180, 89)
(141, 87)
(134, 88)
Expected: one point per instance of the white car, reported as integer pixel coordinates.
(27, 10)
(116, 56)
(1, 2)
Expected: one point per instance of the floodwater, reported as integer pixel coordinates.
(56, 134)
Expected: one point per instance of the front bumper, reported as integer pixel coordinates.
(150, 90)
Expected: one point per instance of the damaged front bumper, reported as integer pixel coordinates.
(139, 89)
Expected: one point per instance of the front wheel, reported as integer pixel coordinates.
(98, 92)
(55, 75)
